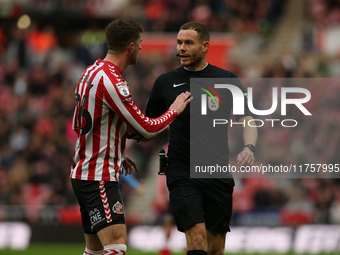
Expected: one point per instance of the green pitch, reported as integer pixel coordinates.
(63, 249)
(77, 249)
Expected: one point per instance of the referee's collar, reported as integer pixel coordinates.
(197, 70)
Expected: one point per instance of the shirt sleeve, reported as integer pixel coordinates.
(247, 112)
(118, 97)
(156, 104)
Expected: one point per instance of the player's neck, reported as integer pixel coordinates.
(118, 60)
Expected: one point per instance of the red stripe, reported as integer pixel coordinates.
(82, 137)
(81, 93)
(98, 109)
(163, 120)
(111, 252)
(122, 149)
(75, 118)
(82, 145)
(123, 143)
(76, 115)
(105, 201)
(112, 104)
(106, 172)
(73, 162)
(117, 139)
(120, 120)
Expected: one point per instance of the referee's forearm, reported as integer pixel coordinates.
(249, 133)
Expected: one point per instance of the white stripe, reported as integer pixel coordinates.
(122, 131)
(112, 149)
(115, 97)
(89, 136)
(103, 141)
(106, 109)
(88, 145)
(74, 118)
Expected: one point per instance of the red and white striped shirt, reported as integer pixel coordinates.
(103, 110)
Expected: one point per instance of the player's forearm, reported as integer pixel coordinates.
(249, 133)
(147, 127)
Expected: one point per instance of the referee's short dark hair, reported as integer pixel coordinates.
(121, 32)
(200, 28)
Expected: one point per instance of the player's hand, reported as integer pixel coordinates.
(182, 100)
(129, 165)
(245, 158)
(131, 134)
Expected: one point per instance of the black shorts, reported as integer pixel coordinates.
(206, 201)
(101, 204)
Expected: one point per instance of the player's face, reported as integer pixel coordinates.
(138, 46)
(191, 50)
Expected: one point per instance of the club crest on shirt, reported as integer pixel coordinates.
(213, 105)
(118, 208)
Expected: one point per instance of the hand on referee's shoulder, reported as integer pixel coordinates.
(245, 157)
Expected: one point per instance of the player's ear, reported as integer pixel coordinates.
(131, 47)
(205, 46)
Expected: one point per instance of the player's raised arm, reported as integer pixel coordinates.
(178, 106)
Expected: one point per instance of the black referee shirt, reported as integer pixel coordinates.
(165, 90)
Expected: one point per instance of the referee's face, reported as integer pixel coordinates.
(191, 50)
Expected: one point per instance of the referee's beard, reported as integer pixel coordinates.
(194, 62)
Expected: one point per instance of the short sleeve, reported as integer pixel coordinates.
(247, 112)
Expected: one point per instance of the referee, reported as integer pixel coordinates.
(202, 207)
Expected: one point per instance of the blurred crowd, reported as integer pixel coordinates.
(37, 82)
(167, 15)
(324, 12)
(218, 15)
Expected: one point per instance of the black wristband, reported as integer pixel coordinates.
(251, 147)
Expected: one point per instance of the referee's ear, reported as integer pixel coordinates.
(205, 46)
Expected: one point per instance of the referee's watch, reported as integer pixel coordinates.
(251, 147)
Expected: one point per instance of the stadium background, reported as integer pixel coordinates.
(42, 57)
